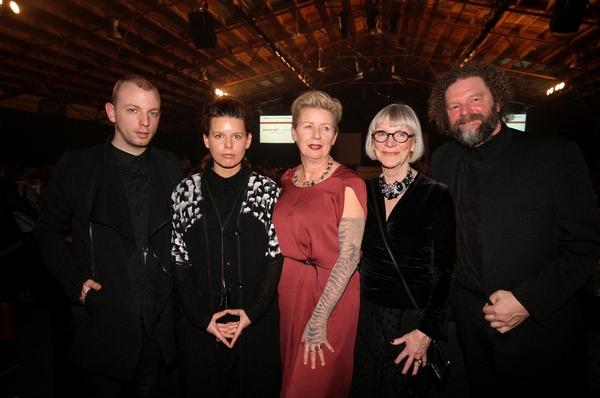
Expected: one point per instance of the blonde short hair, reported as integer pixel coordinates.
(319, 100)
(401, 115)
(138, 80)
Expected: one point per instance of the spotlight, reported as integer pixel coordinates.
(343, 23)
(113, 31)
(394, 74)
(359, 73)
(202, 27)
(203, 74)
(558, 87)
(220, 93)
(12, 5)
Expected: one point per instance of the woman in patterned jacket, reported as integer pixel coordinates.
(227, 265)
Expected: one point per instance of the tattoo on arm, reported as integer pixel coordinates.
(350, 239)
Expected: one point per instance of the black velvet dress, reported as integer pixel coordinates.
(421, 233)
(226, 255)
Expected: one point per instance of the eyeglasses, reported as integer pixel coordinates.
(399, 136)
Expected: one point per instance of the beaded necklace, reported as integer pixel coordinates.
(396, 188)
(310, 183)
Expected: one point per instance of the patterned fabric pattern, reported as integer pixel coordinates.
(259, 201)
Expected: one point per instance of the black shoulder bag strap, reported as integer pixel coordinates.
(387, 246)
(438, 361)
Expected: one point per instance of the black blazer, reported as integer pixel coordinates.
(539, 233)
(85, 198)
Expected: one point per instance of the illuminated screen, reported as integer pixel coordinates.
(276, 129)
(516, 121)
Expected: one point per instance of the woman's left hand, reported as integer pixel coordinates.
(242, 324)
(416, 344)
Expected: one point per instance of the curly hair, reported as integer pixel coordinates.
(494, 80)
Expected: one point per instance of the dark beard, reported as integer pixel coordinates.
(483, 133)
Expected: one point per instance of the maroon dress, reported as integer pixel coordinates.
(306, 221)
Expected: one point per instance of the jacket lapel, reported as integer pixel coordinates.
(160, 193)
(109, 205)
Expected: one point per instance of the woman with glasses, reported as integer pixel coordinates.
(319, 221)
(414, 216)
(227, 266)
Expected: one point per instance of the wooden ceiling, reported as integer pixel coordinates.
(67, 50)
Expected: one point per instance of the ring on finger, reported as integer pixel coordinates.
(419, 362)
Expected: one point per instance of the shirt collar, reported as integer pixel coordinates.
(494, 147)
(125, 159)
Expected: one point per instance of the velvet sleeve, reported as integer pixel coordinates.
(443, 258)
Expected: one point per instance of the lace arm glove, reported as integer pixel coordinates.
(350, 233)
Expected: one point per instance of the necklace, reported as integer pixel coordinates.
(310, 183)
(396, 188)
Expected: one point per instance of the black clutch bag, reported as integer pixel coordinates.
(437, 360)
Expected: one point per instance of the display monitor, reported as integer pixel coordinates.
(276, 129)
(516, 121)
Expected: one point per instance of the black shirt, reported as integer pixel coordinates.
(134, 172)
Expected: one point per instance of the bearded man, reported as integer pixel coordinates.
(528, 236)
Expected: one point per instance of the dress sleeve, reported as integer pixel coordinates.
(444, 255)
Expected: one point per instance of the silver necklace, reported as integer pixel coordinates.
(310, 183)
(396, 188)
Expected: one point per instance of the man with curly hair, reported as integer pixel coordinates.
(528, 236)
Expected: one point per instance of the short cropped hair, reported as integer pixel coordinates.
(319, 100)
(138, 80)
(223, 107)
(493, 78)
(400, 115)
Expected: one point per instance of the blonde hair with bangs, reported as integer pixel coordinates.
(399, 115)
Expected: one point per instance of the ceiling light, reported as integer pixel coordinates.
(12, 5)
(359, 73)
(394, 74)
(113, 30)
(320, 67)
(558, 87)
(203, 74)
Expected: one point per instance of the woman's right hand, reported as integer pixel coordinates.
(221, 333)
(416, 344)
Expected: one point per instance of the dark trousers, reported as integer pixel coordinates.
(143, 385)
(480, 347)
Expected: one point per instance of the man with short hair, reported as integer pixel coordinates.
(113, 201)
(528, 236)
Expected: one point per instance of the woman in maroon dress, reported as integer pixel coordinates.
(319, 220)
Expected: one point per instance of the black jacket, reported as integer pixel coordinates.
(539, 234)
(86, 201)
